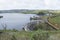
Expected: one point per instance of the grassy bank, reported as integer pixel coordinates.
(55, 20)
(33, 35)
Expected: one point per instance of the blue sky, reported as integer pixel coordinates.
(29, 4)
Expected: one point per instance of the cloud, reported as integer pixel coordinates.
(52, 4)
(29, 4)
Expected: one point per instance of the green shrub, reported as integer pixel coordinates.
(40, 36)
(13, 38)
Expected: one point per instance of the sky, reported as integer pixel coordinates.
(29, 4)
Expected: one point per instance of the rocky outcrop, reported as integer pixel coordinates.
(30, 26)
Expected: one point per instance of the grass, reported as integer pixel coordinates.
(32, 35)
(55, 20)
(36, 35)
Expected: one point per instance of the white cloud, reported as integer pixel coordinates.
(29, 4)
(52, 4)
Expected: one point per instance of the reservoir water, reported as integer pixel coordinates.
(14, 20)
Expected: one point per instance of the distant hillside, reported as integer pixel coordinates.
(15, 11)
(27, 11)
